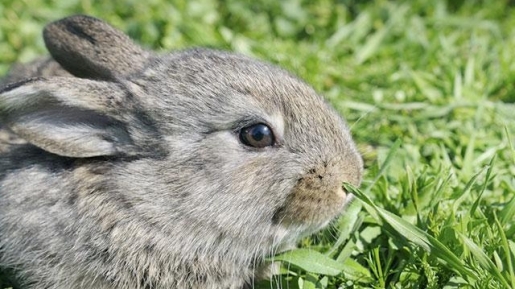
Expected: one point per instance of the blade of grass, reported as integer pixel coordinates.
(384, 165)
(484, 260)
(508, 137)
(356, 271)
(347, 225)
(507, 213)
(487, 179)
(416, 236)
(311, 261)
(318, 263)
(506, 248)
(464, 192)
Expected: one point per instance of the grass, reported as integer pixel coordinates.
(428, 88)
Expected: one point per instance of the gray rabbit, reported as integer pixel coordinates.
(122, 168)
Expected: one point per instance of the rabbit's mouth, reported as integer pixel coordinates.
(311, 209)
(288, 233)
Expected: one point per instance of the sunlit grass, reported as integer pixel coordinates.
(428, 89)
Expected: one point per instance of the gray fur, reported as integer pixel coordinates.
(38, 68)
(136, 178)
(88, 47)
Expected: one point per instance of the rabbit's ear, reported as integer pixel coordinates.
(70, 117)
(88, 47)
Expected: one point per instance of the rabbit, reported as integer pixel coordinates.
(137, 169)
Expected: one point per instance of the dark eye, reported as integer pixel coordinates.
(257, 135)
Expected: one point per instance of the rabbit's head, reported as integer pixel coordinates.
(212, 150)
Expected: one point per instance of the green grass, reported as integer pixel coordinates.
(428, 88)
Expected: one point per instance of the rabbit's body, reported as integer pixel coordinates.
(74, 234)
(139, 173)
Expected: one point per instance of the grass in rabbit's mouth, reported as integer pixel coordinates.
(427, 88)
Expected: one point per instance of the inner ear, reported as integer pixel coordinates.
(72, 132)
(77, 117)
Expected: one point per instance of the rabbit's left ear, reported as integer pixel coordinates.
(75, 117)
(88, 47)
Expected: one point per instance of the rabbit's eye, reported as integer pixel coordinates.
(257, 135)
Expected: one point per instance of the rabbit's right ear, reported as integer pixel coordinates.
(76, 117)
(88, 47)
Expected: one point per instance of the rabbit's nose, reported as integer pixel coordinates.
(316, 198)
(320, 179)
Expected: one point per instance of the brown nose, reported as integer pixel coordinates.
(316, 198)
